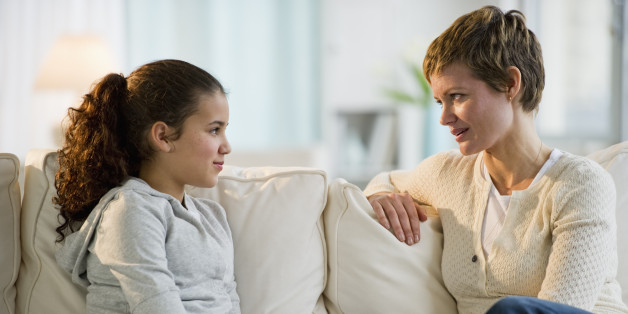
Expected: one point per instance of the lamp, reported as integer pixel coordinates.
(73, 64)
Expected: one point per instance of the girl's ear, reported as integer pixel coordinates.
(158, 137)
(515, 82)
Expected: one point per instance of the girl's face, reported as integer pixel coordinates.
(477, 115)
(199, 153)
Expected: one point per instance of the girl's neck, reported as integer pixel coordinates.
(157, 177)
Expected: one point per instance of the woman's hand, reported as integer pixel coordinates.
(401, 212)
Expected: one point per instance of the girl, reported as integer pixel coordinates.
(142, 244)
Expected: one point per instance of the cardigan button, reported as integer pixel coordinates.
(474, 258)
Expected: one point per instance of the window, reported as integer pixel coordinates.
(581, 41)
(265, 53)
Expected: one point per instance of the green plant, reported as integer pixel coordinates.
(422, 98)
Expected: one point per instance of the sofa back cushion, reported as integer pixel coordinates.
(370, 271)
(275, 218)
(615, 160)
(275, 215)
(10, 230)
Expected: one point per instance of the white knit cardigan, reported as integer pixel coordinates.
(558, 241)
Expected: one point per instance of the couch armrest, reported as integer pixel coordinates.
(42, 286)
(10, 228)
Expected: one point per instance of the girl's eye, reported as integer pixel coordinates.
(214, 131)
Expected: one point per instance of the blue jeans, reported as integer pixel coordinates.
(530, 305)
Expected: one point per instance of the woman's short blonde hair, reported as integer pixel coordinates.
(488, 42)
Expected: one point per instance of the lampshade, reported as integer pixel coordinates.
(75, 62)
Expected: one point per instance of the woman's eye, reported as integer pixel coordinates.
(214, 131)
(439, 103)
(456, 96)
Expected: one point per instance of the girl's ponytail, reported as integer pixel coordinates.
(94, 158)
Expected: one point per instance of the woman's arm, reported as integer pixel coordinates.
(394, 209)
(584, 237)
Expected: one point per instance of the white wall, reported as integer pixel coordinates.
(365, 41)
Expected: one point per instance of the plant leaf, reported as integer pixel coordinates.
(401, 96)
(423, 84)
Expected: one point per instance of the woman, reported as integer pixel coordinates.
(519, 218)
(144, 246)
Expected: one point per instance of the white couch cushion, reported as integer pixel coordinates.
(10, 227)
(275, 218)
(615, 160)
(370, 271)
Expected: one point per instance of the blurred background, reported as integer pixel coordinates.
(319, 83)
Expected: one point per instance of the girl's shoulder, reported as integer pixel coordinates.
(136, 198)
(211, 210)
(208, 205)
(204, 202)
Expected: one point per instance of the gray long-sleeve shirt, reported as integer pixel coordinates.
(141, 251)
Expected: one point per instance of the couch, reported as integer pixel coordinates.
(303, 244)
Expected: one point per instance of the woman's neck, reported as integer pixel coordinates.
(517, 173)
(515, 161)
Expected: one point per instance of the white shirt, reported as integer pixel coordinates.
(497, 205)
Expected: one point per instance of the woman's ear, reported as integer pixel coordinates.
(514, 86)
(158, 137)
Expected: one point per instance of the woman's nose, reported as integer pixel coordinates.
(447, 116)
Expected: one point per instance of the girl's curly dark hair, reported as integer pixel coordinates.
(106, 138)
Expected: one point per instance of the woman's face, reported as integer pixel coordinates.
(477, 115)
(199, 153)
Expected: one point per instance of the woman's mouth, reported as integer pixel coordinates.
(459, 133)
(219, 164)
